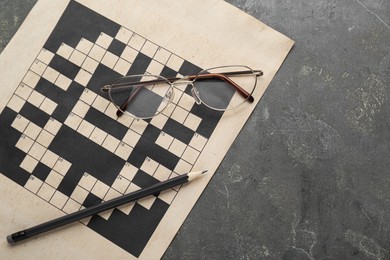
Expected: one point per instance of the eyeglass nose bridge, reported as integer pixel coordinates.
(194, 91)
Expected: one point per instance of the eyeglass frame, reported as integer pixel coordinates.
(189, 79)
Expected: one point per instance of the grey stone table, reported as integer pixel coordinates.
(309, 175)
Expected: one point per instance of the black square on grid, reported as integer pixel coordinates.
(141, 63)
(168, 72)
(41, 171)
(91, 200)
(116, 47)
(142, 179)
(34, 114)
(64, 66)
(188, 68)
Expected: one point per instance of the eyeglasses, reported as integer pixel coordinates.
(219, 88)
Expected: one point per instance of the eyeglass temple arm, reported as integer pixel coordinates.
(258, 73)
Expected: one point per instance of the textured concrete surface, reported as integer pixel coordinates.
(308, 177)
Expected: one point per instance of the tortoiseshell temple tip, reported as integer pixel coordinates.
(251, 99)
(258, 73)
(119, 113)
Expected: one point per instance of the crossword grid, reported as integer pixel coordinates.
(66, 126)
(35, 140)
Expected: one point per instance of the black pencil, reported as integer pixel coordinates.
(110, 204)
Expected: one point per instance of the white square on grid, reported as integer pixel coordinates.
(122, 66)
(123, 150)
(111, 194)
(45, 56)
(71, 206)
(90, 65)
(98, 136)
(155, 68)
(54, 179)
(125, 120)
(139, 126)
(162, 55)
(104, 40)
(32, 130)
(111, 111)
(65, 51)
(179, 114)
(23, 91)
(28, 163)
(136, 41)
(83, 77)
(100, 189)
(149, 166)
(149, 49)
(159, 121)
(110, 143)
(128, 171)
(58, 199)
(97, 52)
(121, 184)
(147, 202)
(73, 121)
(85, 128)
(190, 155)
(53, 126)
(162, 173)
(24, 143)
(183, 166)
(124, 35)
(87, 181)
(129, 54)
(100, 104)
(80, 108)
(20, 123)
(164, 140)
(36, 98)
(37, 151)
(198, 142)
(16, 103)
(38, 67)
(79, 194)
(50, 74)
(186, 101)
(77, 57)
(49, 159)
(48, 106)
(177, 147)
(88, 96)
(126, 209)
(109, 60)
(31, 79)
(167, 195)
(192, 121)
(45, 138)
(63, 82)
(84, 46)
(62, 166)
(46, 192)
(33, 184)
(175, 62)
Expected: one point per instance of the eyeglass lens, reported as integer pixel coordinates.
(141, 96)
(219, 94)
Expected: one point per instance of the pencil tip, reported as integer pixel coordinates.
(204, 171)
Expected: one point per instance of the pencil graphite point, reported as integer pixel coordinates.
(194, 175)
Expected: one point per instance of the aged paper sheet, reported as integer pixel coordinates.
(63, 149)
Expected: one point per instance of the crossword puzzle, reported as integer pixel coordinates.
(66, 144)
